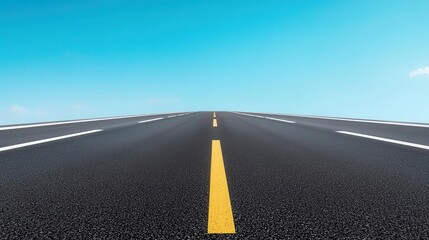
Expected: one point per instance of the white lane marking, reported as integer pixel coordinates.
(67, 122)
(251, 115)
(278, 119)
(47, 140)
(151, 120)
(269, 118)
(171, 116)
(360, 120)
(386, 140)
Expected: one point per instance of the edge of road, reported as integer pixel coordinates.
(44, 124)
(76, 134)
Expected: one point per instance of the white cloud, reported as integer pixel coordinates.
(78, 107)
(17, 109)
(420, 71)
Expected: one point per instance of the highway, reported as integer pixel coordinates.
(230, 175)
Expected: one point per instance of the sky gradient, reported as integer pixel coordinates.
(81, 59)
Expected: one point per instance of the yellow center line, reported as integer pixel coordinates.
(221, 220)
(214, 123)
(214, 114)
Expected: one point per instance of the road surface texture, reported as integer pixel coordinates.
(151, 177)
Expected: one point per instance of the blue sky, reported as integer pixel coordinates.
(79, 59)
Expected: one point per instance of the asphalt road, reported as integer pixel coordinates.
(299, 179)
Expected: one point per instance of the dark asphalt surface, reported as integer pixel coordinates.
(151, 181)
(11, 137)
(404, 133)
